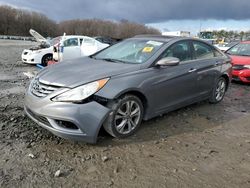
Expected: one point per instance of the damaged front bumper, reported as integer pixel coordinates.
(80, 122)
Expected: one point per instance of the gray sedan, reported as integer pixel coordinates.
(134, 80)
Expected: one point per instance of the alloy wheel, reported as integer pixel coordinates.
(220, 90)
(127, 117)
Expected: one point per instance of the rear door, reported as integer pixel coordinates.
(208, 66)
(71, 48)
(88, 47)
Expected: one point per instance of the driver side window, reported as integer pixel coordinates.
(179, 50)
(71, 42)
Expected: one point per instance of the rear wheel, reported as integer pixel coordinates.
(125, 118)
(219, 90)
(46, 59)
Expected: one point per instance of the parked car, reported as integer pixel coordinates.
(42, 53)
(107, 40)
(226, 46)
(240, 55)
(223, 47)
(134, 80)
(72, 46)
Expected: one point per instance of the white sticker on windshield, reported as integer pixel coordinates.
(155, 43)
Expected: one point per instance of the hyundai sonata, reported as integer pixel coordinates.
(134, 80)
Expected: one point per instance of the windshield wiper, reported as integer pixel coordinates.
(113, 60)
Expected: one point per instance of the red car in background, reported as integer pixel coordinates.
(240, 55)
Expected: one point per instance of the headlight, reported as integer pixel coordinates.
(82, 92)
(247, 66)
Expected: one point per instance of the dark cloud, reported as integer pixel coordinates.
(144, 11)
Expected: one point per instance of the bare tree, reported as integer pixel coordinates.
(18, 22)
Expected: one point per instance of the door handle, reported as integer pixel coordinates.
(192, 70)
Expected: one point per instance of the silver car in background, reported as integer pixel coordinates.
(134, 80)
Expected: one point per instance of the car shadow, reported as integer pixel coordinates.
(240, 83)
(194, 118)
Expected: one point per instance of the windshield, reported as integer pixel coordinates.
(240, 49)
(134, 51)
(54, 41)
(231, 44)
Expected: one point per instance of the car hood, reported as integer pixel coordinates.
(240, 60)
(37, 36)
(72, 73)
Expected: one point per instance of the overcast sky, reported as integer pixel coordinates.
(163, 14)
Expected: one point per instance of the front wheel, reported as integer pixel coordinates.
(125, 118)
(46, 59)
(219, 90)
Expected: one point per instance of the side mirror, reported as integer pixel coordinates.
(168, 61)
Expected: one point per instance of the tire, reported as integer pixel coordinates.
(121, 123)
(46, 58)
(219, 91)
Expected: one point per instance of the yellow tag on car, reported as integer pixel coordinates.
(147, 49)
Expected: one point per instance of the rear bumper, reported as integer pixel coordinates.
(241, 75)
(87, 118)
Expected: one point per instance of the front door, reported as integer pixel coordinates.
(175, 85)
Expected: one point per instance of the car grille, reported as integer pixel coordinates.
(238, 67)
(41, 90)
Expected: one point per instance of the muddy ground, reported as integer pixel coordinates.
(202, 145)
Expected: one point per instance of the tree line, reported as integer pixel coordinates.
(17, 22)
(232, 35)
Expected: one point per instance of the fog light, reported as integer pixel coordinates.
(66, 124)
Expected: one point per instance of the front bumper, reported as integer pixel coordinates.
(87, 118)
(30, 58)
(241, 75)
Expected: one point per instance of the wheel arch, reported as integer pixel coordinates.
(227, 80)
(136, 93)
(45, 55)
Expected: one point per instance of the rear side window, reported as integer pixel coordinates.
(202, 50)
(218, 54)
(179, 50)
(89, 41)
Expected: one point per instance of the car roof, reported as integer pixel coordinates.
(166, 39)
(76, 36)
(162, 38)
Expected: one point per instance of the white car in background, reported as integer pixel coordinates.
(42, 53)
(73, 46)
(223, 47)
(226, 46)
